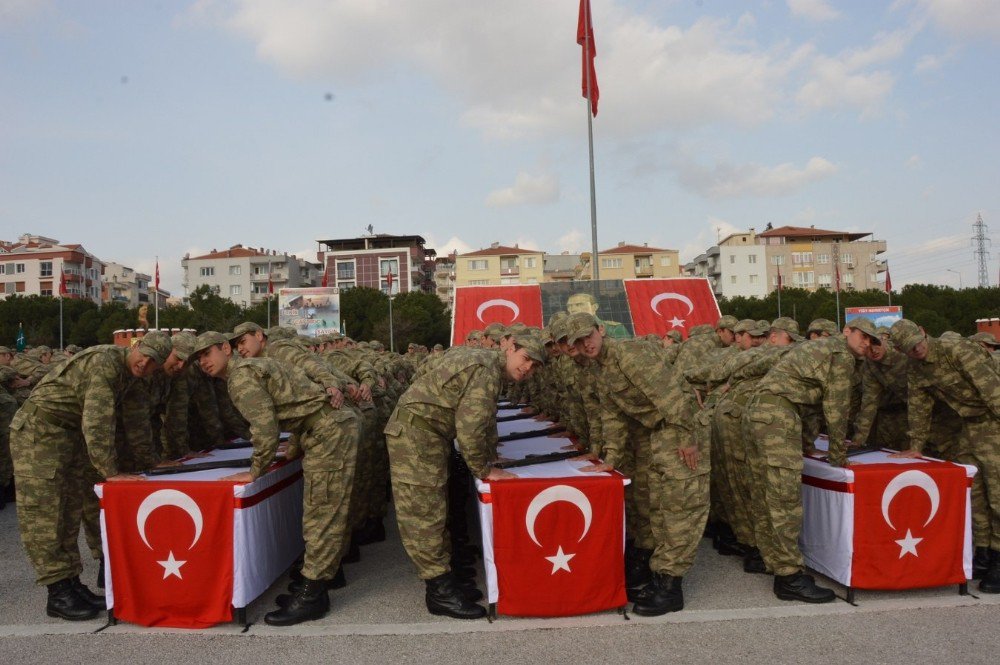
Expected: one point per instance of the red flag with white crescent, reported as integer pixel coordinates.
(478, 306)
(909, 525)
(558, 545)
(170, 552)
(585, 38)
(660, 305)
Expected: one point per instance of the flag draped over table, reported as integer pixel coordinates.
(585, 38)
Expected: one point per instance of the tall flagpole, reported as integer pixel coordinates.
(60, 318)
(156, 295)
(270, 291)
(590, 143)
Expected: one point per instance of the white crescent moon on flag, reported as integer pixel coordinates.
(498, 302)
(657, 299)
(911, 479)
(161, 498)
(551, 495)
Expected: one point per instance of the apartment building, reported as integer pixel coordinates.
(367, 260)
(444, 278)
(242, 274)
(627, 261)
(737, 266)
(499, 264)
(32, 265)
(124, 285)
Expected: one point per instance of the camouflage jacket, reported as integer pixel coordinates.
(883, 385)
(295, 354)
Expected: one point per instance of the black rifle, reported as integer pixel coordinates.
(515, 436)
(511, 407)
(519, 416)
(538, 459)
(200, 466)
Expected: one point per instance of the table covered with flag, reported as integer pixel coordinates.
(185, 550)
(553, 540)
(887, 523)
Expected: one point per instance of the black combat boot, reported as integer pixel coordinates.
(800, 586)
(446, 598)
(637, 572)
(339, 581)
(372, 531)
(65, 603)
(353, 554)
(980, 562)
(991, 580)
(311, 602)
(753, 562)
(100, 574)
(724, 541)
(94, 600)
(662, 595)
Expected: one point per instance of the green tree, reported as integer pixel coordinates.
(361, 309)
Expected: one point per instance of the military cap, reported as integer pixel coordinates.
(882, 330)
(377, 345)
(275, 333)
(7, 373)
(6, 349)
(156, 345)
(823, 326)
(558, 316)
(745, 325)
(475, 334)
(72, 348)
(950, 334)
(517, 328)
(906, 334)
(789, 325)
(675, 335)
(495, 331)
(364, 345)
(701, 329)
(39, 351)
(727, 322)
(533, 345)
(335, 336)
(985, 338)
(546, 336)
(579, 325)
(651, 337)
(247, 327)
(207, 340)
(438, 347)
(183, 343)
(866, 326)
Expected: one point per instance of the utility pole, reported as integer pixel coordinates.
(979, 242)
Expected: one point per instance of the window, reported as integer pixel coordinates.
(848, 278)
(385, 267)
(530, 262)
(611, 263)
(258, 289)
(823, 259)
(803, 278)
(207, 272)
(752, 258)
(510, 280)
(45, 292)
(802, 258)
(345, 270)
(235, 270)
(479, 282)
(46, 269)
(825, 280)
(777, 260)
(732, 279)
(508, 262)
(18, 268)
(754, 279)
(235, 290)
(3, 268)
(478, 264)
(343, 286)
(847, 259)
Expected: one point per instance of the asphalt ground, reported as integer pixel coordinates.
(380, 617)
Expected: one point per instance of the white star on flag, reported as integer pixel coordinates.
(560, 561)
(908, 545)
(171, 566)
(676, 323)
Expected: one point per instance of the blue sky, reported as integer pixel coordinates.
(141, 129)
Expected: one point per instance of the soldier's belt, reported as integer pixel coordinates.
(776, 400)
(413, 420)
(310, 421)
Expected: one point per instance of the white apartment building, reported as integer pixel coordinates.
(32, 265)
(242, 274)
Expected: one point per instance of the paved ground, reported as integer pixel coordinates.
(379, 617)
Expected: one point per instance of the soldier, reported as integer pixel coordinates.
(957, 373)
(647, 405)
(69, 411)
(882, 418)
(169, 401)
(455, 404)
(819, 328)
(275, 396)
(818, 374)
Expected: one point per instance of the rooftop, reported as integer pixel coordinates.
(810, 233)
(624, 248)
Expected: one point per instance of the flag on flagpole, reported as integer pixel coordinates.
(388, 281)
(62, 282)
(888, 279)
(585, 38)
(157, 282)
(326, 280)
(779, 277)
(270, 282)
(21, 342)
(836, 270)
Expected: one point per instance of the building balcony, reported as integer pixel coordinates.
(510, 272)
(644, 271)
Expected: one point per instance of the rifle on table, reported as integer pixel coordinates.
(519, 416)
(200, 466)
(245, 443)
(511, 407)
(516, 436)
(538, 459)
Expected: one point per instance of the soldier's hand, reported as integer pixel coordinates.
(499, 474)
(336, 397)
(124, 476)
(241, 477)
(585, 457)
(724, 388)
(690, 456)
(697, 396)
(597, 467)
(366, 393)
(20, 383)
(354, 393)
(909, 454)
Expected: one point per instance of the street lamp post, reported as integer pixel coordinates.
(959, 277)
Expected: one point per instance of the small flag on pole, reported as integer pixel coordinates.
(21, 342)
(837, 272)
(888, 279)
(326, 279)
(585, 38)
(62, 282)
(156, 283)
(388, 280)
(779, 277)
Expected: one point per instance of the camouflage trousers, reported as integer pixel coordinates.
(890, 429)
(8, 407)
(735, 472)
(329, 453)
(635, 464)
(50, 493)
(364, 466)
(981, 446)
(679, 497)
(418, 465)
(772, 430)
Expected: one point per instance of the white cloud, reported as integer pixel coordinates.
(965, 18)
(726, 180)
(452, 244)
(914, 162)
(526, 190)
(932, 63)
(573, 241)
(710, 234)
(812, 10)
(15, 11)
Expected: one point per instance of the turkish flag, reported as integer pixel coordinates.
(478, 306)
(661, 305)
(170, 552)
(585, 38)
(909, 525)
(558, 545)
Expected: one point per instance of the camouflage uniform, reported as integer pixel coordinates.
(8, 407)
(882, 417)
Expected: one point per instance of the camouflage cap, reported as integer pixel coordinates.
(823, 326)
(675, 335)
(882, 330)
(156, 345)
(206, 340)
(275, 333)
(745, 325)
(39, 351)
(701, 329)
(6, 349)
(533, 345)
(247, 327)
(950, 334)
(727, 322)
(73, 348)
(377, 345)
(788, 325)
(474, 335)
(906, 334)
(495, 331)
(579, 325)
(183, 343)
(7, 373)
(558, 316)
(517, 328)
(546, 336)
(985, 338)
(866, 326)
(335, 336)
